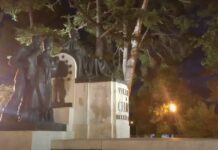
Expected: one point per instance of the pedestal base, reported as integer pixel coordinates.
(31, 140)
(60, 105)
(64, 115)
(18, 126)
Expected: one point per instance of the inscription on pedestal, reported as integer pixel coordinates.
(122, 110)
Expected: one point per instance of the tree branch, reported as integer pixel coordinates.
(108, 31)
(82, 11)
(163, 34)
(138, 26)
(143, 37)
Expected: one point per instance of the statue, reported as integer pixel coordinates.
(88, 66)
(102, 68)
(30, 105)
(25, 60)
(31, 100)
(59, 91)
(46, 69)
(75, 49)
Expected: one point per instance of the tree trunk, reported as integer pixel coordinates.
(131, 63)
(30, 13)
(99, 41)
(126, 45)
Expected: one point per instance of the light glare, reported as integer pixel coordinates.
(172, 107)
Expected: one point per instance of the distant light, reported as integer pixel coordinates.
(9, 57)
(131, 122)
(172, 107)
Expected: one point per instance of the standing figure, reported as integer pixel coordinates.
(27, 110)
(25, 61)
(59, 91)
(59, 88)
(76, 49)
(47, 67)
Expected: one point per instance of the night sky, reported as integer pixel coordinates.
(192, 71)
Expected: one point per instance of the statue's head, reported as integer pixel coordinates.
(48, 44)
(37, 40)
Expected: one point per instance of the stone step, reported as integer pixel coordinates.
(23, 126)
(136, 144)
(30, 140)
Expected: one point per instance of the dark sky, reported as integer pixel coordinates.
(192, 71)
(7, 44)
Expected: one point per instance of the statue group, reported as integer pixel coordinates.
(32, 97)
(31, 100)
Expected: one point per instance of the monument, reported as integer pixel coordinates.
(30, 106)
(100, 103)
(72, 92)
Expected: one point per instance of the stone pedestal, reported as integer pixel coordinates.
(64, 115)
(81, 110)
(100, 109)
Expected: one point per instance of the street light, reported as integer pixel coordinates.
(172, 107)
(131, 122)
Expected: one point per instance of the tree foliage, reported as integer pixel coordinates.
(199, 121)
(14, 7)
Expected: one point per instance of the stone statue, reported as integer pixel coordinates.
(88, 67)
(46, 69)
(31, 100)
(76, 49)
(59, 93)
(26, 61)
(102, 68)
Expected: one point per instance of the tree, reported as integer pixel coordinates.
(206, 31)
(180, 25)
(19, 10)
(125, 21)
(149, 105)
(199, 121)
(86, 11)
(14, 7)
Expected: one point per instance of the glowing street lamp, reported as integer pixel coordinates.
(172, 107)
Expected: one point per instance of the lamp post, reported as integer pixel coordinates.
(173, 109)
